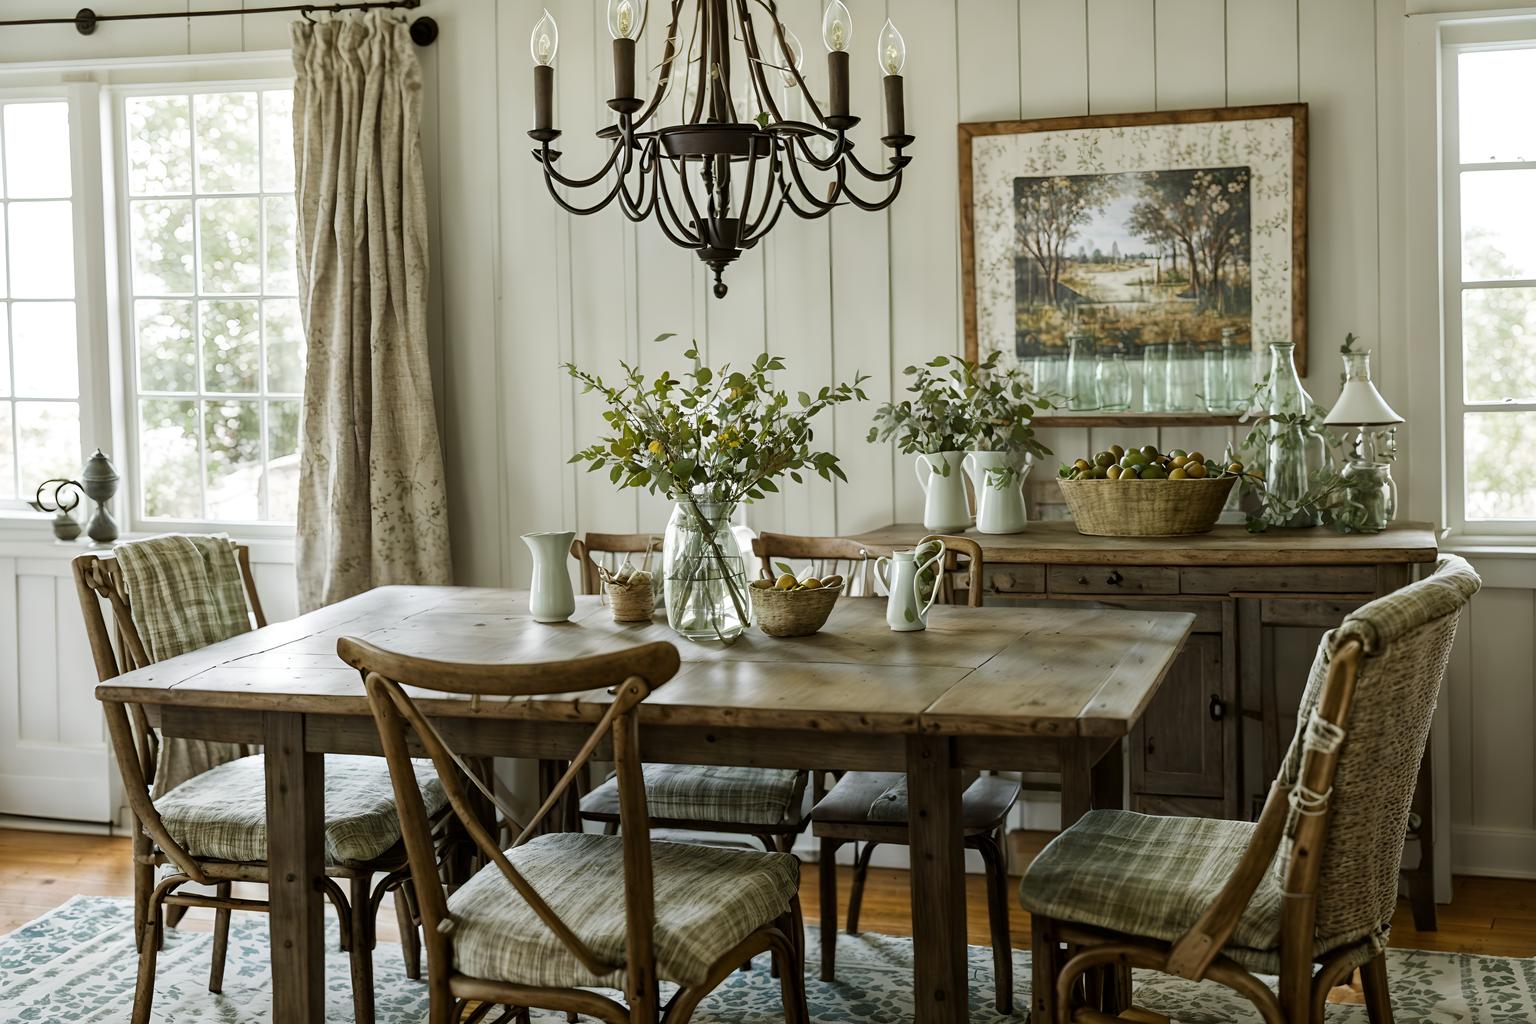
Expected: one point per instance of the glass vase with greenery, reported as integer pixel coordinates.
(709, 440)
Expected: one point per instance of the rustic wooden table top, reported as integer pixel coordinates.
(1059, 543)
(990, 672)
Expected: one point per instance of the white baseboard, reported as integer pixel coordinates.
(1496, 853)
(81, 828)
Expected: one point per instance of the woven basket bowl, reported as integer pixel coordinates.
(1146, 508)
(634, 603)
(793, 612)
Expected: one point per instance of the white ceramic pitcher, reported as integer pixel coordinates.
(551, 598)
(941, 476)
(998, 479)
(901, 573)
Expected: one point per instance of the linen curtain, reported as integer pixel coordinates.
(372, 503)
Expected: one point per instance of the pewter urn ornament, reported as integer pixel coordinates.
(99, 481)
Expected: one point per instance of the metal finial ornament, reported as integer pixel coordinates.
(66, 496)
(717, 178)
(99, 481)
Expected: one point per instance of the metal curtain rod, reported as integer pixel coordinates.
(85, 20)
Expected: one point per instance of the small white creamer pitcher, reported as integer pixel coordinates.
(551, 598)
(901, 573)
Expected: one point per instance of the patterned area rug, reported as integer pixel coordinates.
(76, 965)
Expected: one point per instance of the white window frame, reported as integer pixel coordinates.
(1456, 37)
(114, 113)
(95, 350)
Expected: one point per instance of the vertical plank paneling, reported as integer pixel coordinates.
(38, 667)
(1503, 761)
(924, 223)
(80, 719)
(861, 287)
(1340, 86)
(1053, 58)
(1458, 696)
(1261, 51)
(1121, 70)
(989, 74)
(1191, 53)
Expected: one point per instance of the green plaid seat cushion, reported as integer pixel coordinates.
(707, 901)
(708, 793)
(222, 813)
(1152, 877)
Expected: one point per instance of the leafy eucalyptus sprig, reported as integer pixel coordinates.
(721, 436)
(958, 405)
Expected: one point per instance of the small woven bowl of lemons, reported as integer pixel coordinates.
(785, 606)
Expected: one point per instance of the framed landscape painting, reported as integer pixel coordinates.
(1143, 229)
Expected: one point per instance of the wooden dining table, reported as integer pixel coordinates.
(1052, 689)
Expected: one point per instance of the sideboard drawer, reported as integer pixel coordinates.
(1110, 579)
(1299, 579)
(1016, 579)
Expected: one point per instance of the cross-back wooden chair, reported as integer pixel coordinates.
(189, 842)
(1308, 891)
(560, 913)
(871, 808)
(609, 550)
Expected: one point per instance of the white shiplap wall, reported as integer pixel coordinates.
(519, 287)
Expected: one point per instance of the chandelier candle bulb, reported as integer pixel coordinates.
(543, 43)
(837, 33)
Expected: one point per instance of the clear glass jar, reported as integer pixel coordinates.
(1369, 499)
(1183, 377)
(1215, 382)
(1114, 381)
(1082, 375)
(1236, 370)
(705, 572)
(1154, 376)
(1297, 454)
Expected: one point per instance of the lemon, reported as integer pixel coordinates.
(786, 582)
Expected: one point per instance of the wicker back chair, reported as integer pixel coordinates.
(1308, 891)
(558, 914)
(158, 903)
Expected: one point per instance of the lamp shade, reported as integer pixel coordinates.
(1361, 405)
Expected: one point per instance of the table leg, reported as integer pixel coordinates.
(940, 992)
(295, 866)
(1092, 776)
(1109, 778)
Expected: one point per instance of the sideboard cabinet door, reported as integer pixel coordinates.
(1181, 746)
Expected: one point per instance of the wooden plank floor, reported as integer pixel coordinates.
(40, 870)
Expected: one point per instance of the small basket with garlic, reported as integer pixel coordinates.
(785, 606)
(630, 593)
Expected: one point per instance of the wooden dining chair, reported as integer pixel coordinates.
(1307, 892)
(609, 551)
(561, 913)
(818, 556)
(871, 808)
(207, 830)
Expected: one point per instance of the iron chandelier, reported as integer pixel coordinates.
(717, 179)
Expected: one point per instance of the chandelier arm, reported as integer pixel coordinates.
(668, 57)
(755, 235)
(700, 36)
(693, 207)
(580, 211)
(641, 209)
(841, 147)
(877, 205)
(671, 209)
(815, 213)
(550, 172)
(805, 90)
(755, 56)
(805, 190)
(722, 105)
(898, 164)
(775, 184)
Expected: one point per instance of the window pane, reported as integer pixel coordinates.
(232, 435)
(229, 232)
(167, 356)
(42, 242)
(1498, 225)
(7, 457)
(37, 150)
(173, 480)
(47, 442)
(231, 345)
(159, 144)
(282, 279)
(277, 140)
(1495, 88)
(162, 246)
(45, 348)
(1498, 330)
(283, 461)
(228, 142)
(1498, 475)
(285, 346)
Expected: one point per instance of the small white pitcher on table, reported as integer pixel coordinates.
(942, 478)
(550, 598)
(901, 574)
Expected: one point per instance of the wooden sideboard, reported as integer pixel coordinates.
(1215, 733)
